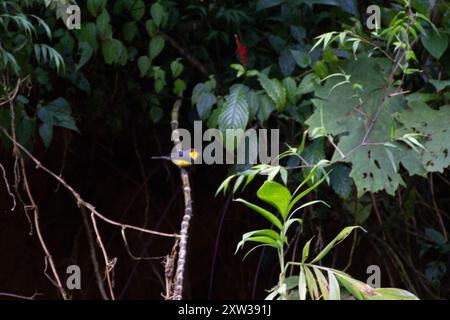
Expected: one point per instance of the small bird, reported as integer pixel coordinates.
(181, 158)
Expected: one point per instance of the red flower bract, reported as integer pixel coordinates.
(242, 50)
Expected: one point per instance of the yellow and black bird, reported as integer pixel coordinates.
(181, 158)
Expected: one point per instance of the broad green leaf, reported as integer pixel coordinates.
(264, 4)
(85, 51)
(276, 195)
(435, 42)
(274, 90)
(176, 67)
(266, 107)
(432, 124)
(340, 180)
(338, 239)
(111, 50)
(129, 31)
(440, 84)
(235, 112)
(103, 24)
(342, 113)
(155, 47)
(158, 13)
(137, 9)
(263, 212)
(302, 58)
(156, 114)
(204, 105)
(179, 86)
(144, 65)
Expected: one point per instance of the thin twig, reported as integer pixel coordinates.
(78, 198)
(8, 188)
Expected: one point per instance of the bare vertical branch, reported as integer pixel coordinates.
(184, 231)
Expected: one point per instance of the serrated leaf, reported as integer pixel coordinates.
(346, 112)
(274, 90)
(434, 126)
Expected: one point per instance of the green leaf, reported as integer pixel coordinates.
(343, 113)
(302, 284)
(392, 294)
(137, 10)
(103, 24)
(264, 4)
(290, 86)
(312, 285)
(235, 110)
(156, 46)
(176, 67)
(46, 133)
(179, 87)
(323, 283)
(204, 105)
(334, 290)
(111, 50)
(85, 51)
(263, 212)
(266, 107)
(144, 65)
(156, 114)
(158, 13)
(304, 193)
(305, 251)
(276, 195)
(432, 124)
(274, 90)
(440, 84)
(302, 58)
(151, 27)
(130, 30)
(435, 42)
(340, 180)
(263, 235)
(338, 239)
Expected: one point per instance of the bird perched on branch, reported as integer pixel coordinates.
(181, 158)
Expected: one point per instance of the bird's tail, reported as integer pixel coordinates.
(162, 157)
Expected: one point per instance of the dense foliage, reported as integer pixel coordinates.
(364, 111)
